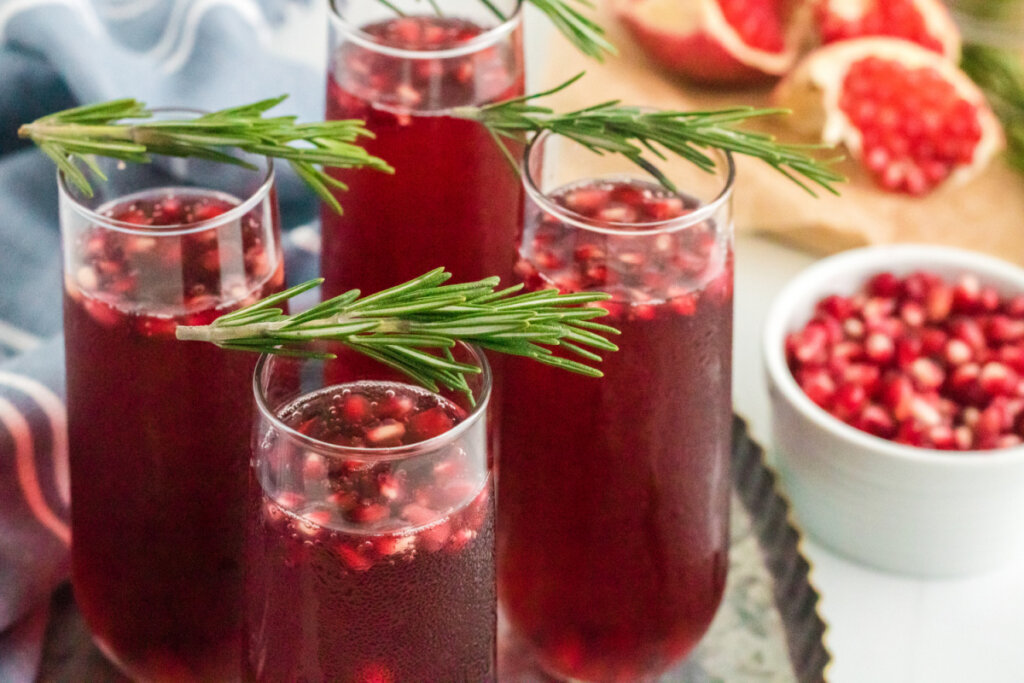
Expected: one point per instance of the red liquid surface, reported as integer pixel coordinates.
(613, 518)
(159, 438)
(389, 577)
(454, 200)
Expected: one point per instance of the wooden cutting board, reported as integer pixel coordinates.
(987, 214)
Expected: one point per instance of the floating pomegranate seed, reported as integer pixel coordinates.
(354, 559)
(880, 348)
(367, 513)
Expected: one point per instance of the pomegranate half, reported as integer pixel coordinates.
(925, 22)
(715, 42)
(913, 119)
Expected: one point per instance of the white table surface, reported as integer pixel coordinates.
(882, 628)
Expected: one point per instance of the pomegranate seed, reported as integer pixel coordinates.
(853, 328)
(1001, 329)
(912, 313)
(875, 420)
(924, 412)
(353, 559)
(586, 201)
(908, 350)
(849, 401)
(966, 294)
(863, 374)
(957, 352)
(1009, 441)
(933, 341)
(988, 299)
(1015, 307)
(897, 394)
(885, 285)
(1013, 356)
(395, 406)
(367, 513)
(939, 303)
(835, 306)
(879, 348)
(102, 313)
(910, 433)
(927, 374)
(878, 308)
(355, 408)
(387, 433)
(970, 331)
(963, 437)
(430, 423)
(997, 379)
(389, 486)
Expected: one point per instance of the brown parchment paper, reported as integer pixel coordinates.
(986, 214)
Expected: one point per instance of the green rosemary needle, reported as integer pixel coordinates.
(1000, 74)
(637, 133)
(583, 32)
(124, 129)
(412, 327)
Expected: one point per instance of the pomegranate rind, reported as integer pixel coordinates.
(938, 22)
(812, 91)
(692, 38)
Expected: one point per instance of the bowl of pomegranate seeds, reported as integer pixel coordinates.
(896, 378)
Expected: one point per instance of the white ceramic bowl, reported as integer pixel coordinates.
(910, 510)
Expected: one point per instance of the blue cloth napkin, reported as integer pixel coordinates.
(55, 54)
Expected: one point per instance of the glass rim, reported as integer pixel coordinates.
(476, 44)
(385, 454)
(175, 229)
(702, 213)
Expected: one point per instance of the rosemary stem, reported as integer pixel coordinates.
(269, 329)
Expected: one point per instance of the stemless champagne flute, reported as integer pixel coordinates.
(454, 199)
(158, 429)
(613, 495)
(370, 543)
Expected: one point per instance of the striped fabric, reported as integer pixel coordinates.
(55, 54)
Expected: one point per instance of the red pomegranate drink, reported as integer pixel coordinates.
(158, 428)
(370, 548)
(454, 199)
(613, 517)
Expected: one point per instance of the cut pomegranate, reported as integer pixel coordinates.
(954, 382)
(717, 42)
(913, 119)
(925, 22)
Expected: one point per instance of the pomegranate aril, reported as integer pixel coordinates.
(429, 423)
(353, 558)
(926, 374)
(996, 379)
(880, 348)
(875, 420)
(885, 285)
(367, 513)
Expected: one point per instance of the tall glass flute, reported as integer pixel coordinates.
(613, 494)
(159, 429)
(370, 548)
(454, 199)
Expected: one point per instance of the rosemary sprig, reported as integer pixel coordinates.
(1000, 74)
(413, 326)
(583, 32)
(637, 133)
(124, 129)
